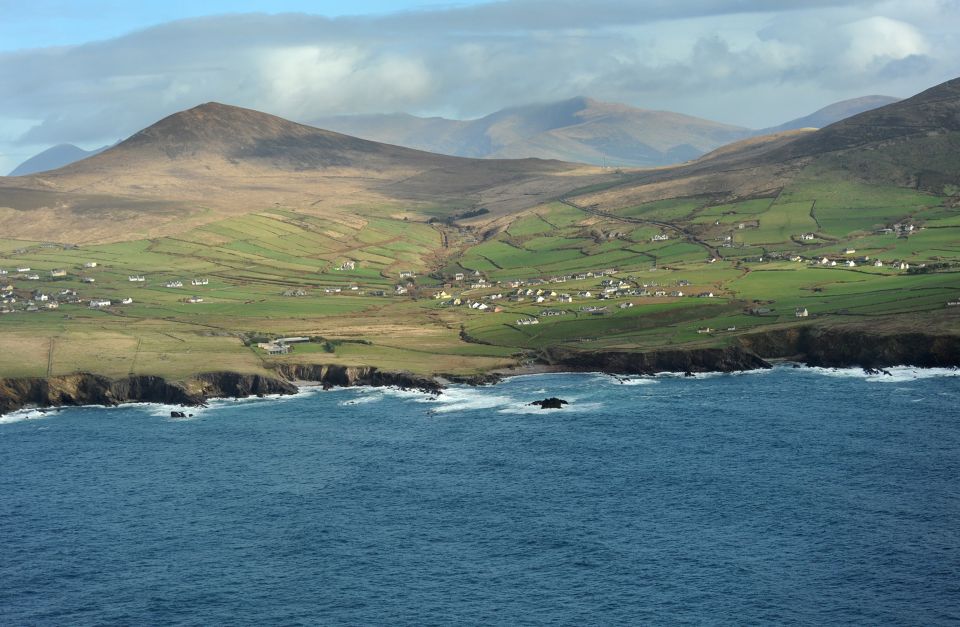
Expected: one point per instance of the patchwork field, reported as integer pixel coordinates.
(430, 295)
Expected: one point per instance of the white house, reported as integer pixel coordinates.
(126, 301)
(200, 282)
(801, 312)
(136, 278)
(174, 283)
(99, 304)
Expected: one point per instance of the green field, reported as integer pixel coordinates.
(279, 273)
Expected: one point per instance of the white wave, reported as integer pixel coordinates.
(572, 408)
(896, 374)
(24, 414)
(638, 381)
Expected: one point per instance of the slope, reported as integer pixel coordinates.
(214, 160)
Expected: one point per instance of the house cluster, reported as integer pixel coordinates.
(901, 230)
(829, 262)
(37, 300)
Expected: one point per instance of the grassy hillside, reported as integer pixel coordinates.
(275, 274)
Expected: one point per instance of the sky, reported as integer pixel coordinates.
(90, 72)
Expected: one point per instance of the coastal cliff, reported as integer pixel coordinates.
(92, 389)
(730, 359)
(844, 347)
(813, 345)
(349, 376)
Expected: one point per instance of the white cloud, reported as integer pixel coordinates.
(752, 62)
(878, 40)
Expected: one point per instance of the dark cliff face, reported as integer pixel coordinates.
(837, 347)
(91, 389)
(347, 376)
(729, 359)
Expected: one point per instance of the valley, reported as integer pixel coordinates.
(405, 261)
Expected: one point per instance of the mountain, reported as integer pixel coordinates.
(217, 160)
(53, 158)
(580, 130)
(832, 113)
(912, 143)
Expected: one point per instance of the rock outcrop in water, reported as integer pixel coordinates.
(551, 403)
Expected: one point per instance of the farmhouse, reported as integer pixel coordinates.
(801, 312)
(58, 273)
(99, 303)
(347, 265)
(524, 322)
(407, 274)
(33, 277)
(126, 301)
(877, 264)
(274, 348)
(23, 269)
(174, 284)
(90, 264)
(194, 300)
(849, 251)
(806, 237)
(458, 276)
(200, 282)
(660, 237)
(136, 278)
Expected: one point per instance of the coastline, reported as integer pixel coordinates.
(828, 348)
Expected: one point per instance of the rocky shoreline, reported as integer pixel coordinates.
(813, 346)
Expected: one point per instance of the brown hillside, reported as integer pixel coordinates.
(215, 160)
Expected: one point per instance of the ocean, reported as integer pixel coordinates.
(790, 496)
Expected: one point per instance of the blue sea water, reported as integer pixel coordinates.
(793, 496)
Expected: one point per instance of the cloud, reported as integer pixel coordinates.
(753, 62)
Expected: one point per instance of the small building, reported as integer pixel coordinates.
(33, 277)
(407, 274)
(23, 268)
(196, 282)
(136, 278)
(458, 276)
(58, 273)
(194, 300)
(90, 264)
(126, 301)
(347, 265)
(877, 264)
(801, 312)
(299, 339)
(174, 284)
(851, 263)
(274, 348)
(99, 303)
